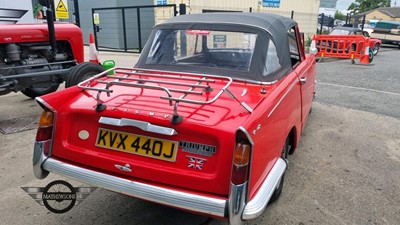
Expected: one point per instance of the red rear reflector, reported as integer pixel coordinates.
(239, 174)
(44, 134)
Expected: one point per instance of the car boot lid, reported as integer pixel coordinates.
(171, 96)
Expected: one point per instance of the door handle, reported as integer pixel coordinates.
(303, 80)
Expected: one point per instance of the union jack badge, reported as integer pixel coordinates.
(196, 163)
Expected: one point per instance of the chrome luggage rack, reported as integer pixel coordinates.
(153, 79)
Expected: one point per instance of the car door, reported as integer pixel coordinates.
(303, 66)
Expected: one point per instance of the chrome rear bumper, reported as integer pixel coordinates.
(192, 202)
(234, 208)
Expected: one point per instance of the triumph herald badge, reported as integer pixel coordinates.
(196, 148)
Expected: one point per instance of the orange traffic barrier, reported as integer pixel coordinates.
(93, 53)
(342, 46)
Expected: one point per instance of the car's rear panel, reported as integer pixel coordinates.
(195, 154)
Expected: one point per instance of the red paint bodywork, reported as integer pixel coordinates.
(373, 42)
(360, 47)
(280, 112)
(20, 33)
(356, 31)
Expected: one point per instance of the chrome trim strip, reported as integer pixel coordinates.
(247, 135)
(244, 104)
(256, 206)
(46, 107)
(39, 158)
(145, 126)
(237, 202)
(252, 147)
(255, 82)
(238, 194)
(178, 199)
(247, 107)
(45, 104)
(283, 97)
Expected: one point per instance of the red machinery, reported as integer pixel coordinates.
(36, 58)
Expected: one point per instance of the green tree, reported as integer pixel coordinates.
(339, 15)
(360, 6)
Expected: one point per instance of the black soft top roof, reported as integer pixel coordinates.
(276, 26)
(272, 23)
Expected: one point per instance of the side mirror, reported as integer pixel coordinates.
(313, 49)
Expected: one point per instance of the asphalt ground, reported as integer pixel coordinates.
(374, 88)
(345, 171)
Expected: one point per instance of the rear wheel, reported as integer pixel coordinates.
(279, 187)
(33, 92)
(82, 72)
(371, 55)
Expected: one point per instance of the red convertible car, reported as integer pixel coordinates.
(374, 44)
(204, 122)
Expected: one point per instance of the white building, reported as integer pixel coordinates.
(305, 12)
(119, 29)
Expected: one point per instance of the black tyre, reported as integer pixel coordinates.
(35, 92)
(376, 49)
(82, 72)
(371, 55)
(279, 188)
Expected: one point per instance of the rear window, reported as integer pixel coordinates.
(272, 64)
(203, 48)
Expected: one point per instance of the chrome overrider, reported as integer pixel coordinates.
(235, 208)
(239, 210)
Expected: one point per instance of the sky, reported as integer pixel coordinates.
(344, 4)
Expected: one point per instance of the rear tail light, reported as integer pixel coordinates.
(241, 159)
(45, 130)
